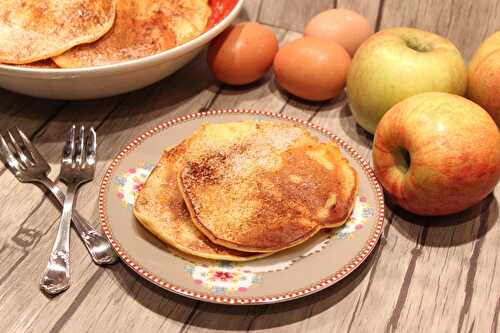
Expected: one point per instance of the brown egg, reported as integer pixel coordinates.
(343, 26)
(242, 53)
(312, 69)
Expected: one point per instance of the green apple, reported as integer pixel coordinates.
(398, 63)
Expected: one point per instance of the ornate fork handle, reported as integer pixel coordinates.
(98, 247)
(56, 277)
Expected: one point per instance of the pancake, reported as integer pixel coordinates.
(142, 28)
(46, 63)
(263, 186)
(160, 208)
(32, 30)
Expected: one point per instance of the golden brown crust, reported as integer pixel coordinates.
(267, 189)
(46, 63)
(160, 208)
(142, 28)
(33, 30)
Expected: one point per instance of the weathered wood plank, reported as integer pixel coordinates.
(465, 23)
(250, 10)
(454, 284)
(28, 113)
(291, 14)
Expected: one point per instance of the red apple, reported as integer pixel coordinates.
(484, 76)
(437, 153)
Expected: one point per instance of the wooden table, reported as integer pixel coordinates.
(426, 274)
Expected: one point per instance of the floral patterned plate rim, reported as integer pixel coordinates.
(319, 263)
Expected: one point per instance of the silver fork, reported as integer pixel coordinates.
(77, 167)
(28, 165)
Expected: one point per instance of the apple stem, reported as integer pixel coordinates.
(417, 45)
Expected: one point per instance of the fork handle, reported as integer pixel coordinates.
(56, 277)
(99, 248)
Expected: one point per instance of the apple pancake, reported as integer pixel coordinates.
(46, 63)
(32, 30)
(142, 28)
(160, 208)
(264, 186)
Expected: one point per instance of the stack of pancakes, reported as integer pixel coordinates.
(244, 190)
(81, 33)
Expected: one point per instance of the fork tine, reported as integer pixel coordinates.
(80, 146)
(19, 151)
(91, 146)
(69, 146)
(8, 157)
(33, 151)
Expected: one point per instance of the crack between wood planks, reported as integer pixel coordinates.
(20, 109)
(315, 112)
(392, 324)
(190, 317)
(492, 278)
(282, 28)
(211, 100)
(284, 105)
(110, 300)
(382, 244)
(113, 109)
(473, 264)
(380, 14)
(257, 315)
(43, 126)
(259, 10)
(494, 322)
(351, 321)
(59, 324)
(471, 330)
(167, 316)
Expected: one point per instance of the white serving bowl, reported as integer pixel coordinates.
(109, 80)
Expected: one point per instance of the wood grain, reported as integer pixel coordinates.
(250, 10)
(465, 23)
(426, 275)
(292, 14)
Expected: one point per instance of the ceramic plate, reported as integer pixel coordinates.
(316, 264)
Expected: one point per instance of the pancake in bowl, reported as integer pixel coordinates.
(142, 28)
(160, 208)
(263, 186)
(32, 30)
(46, 63)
